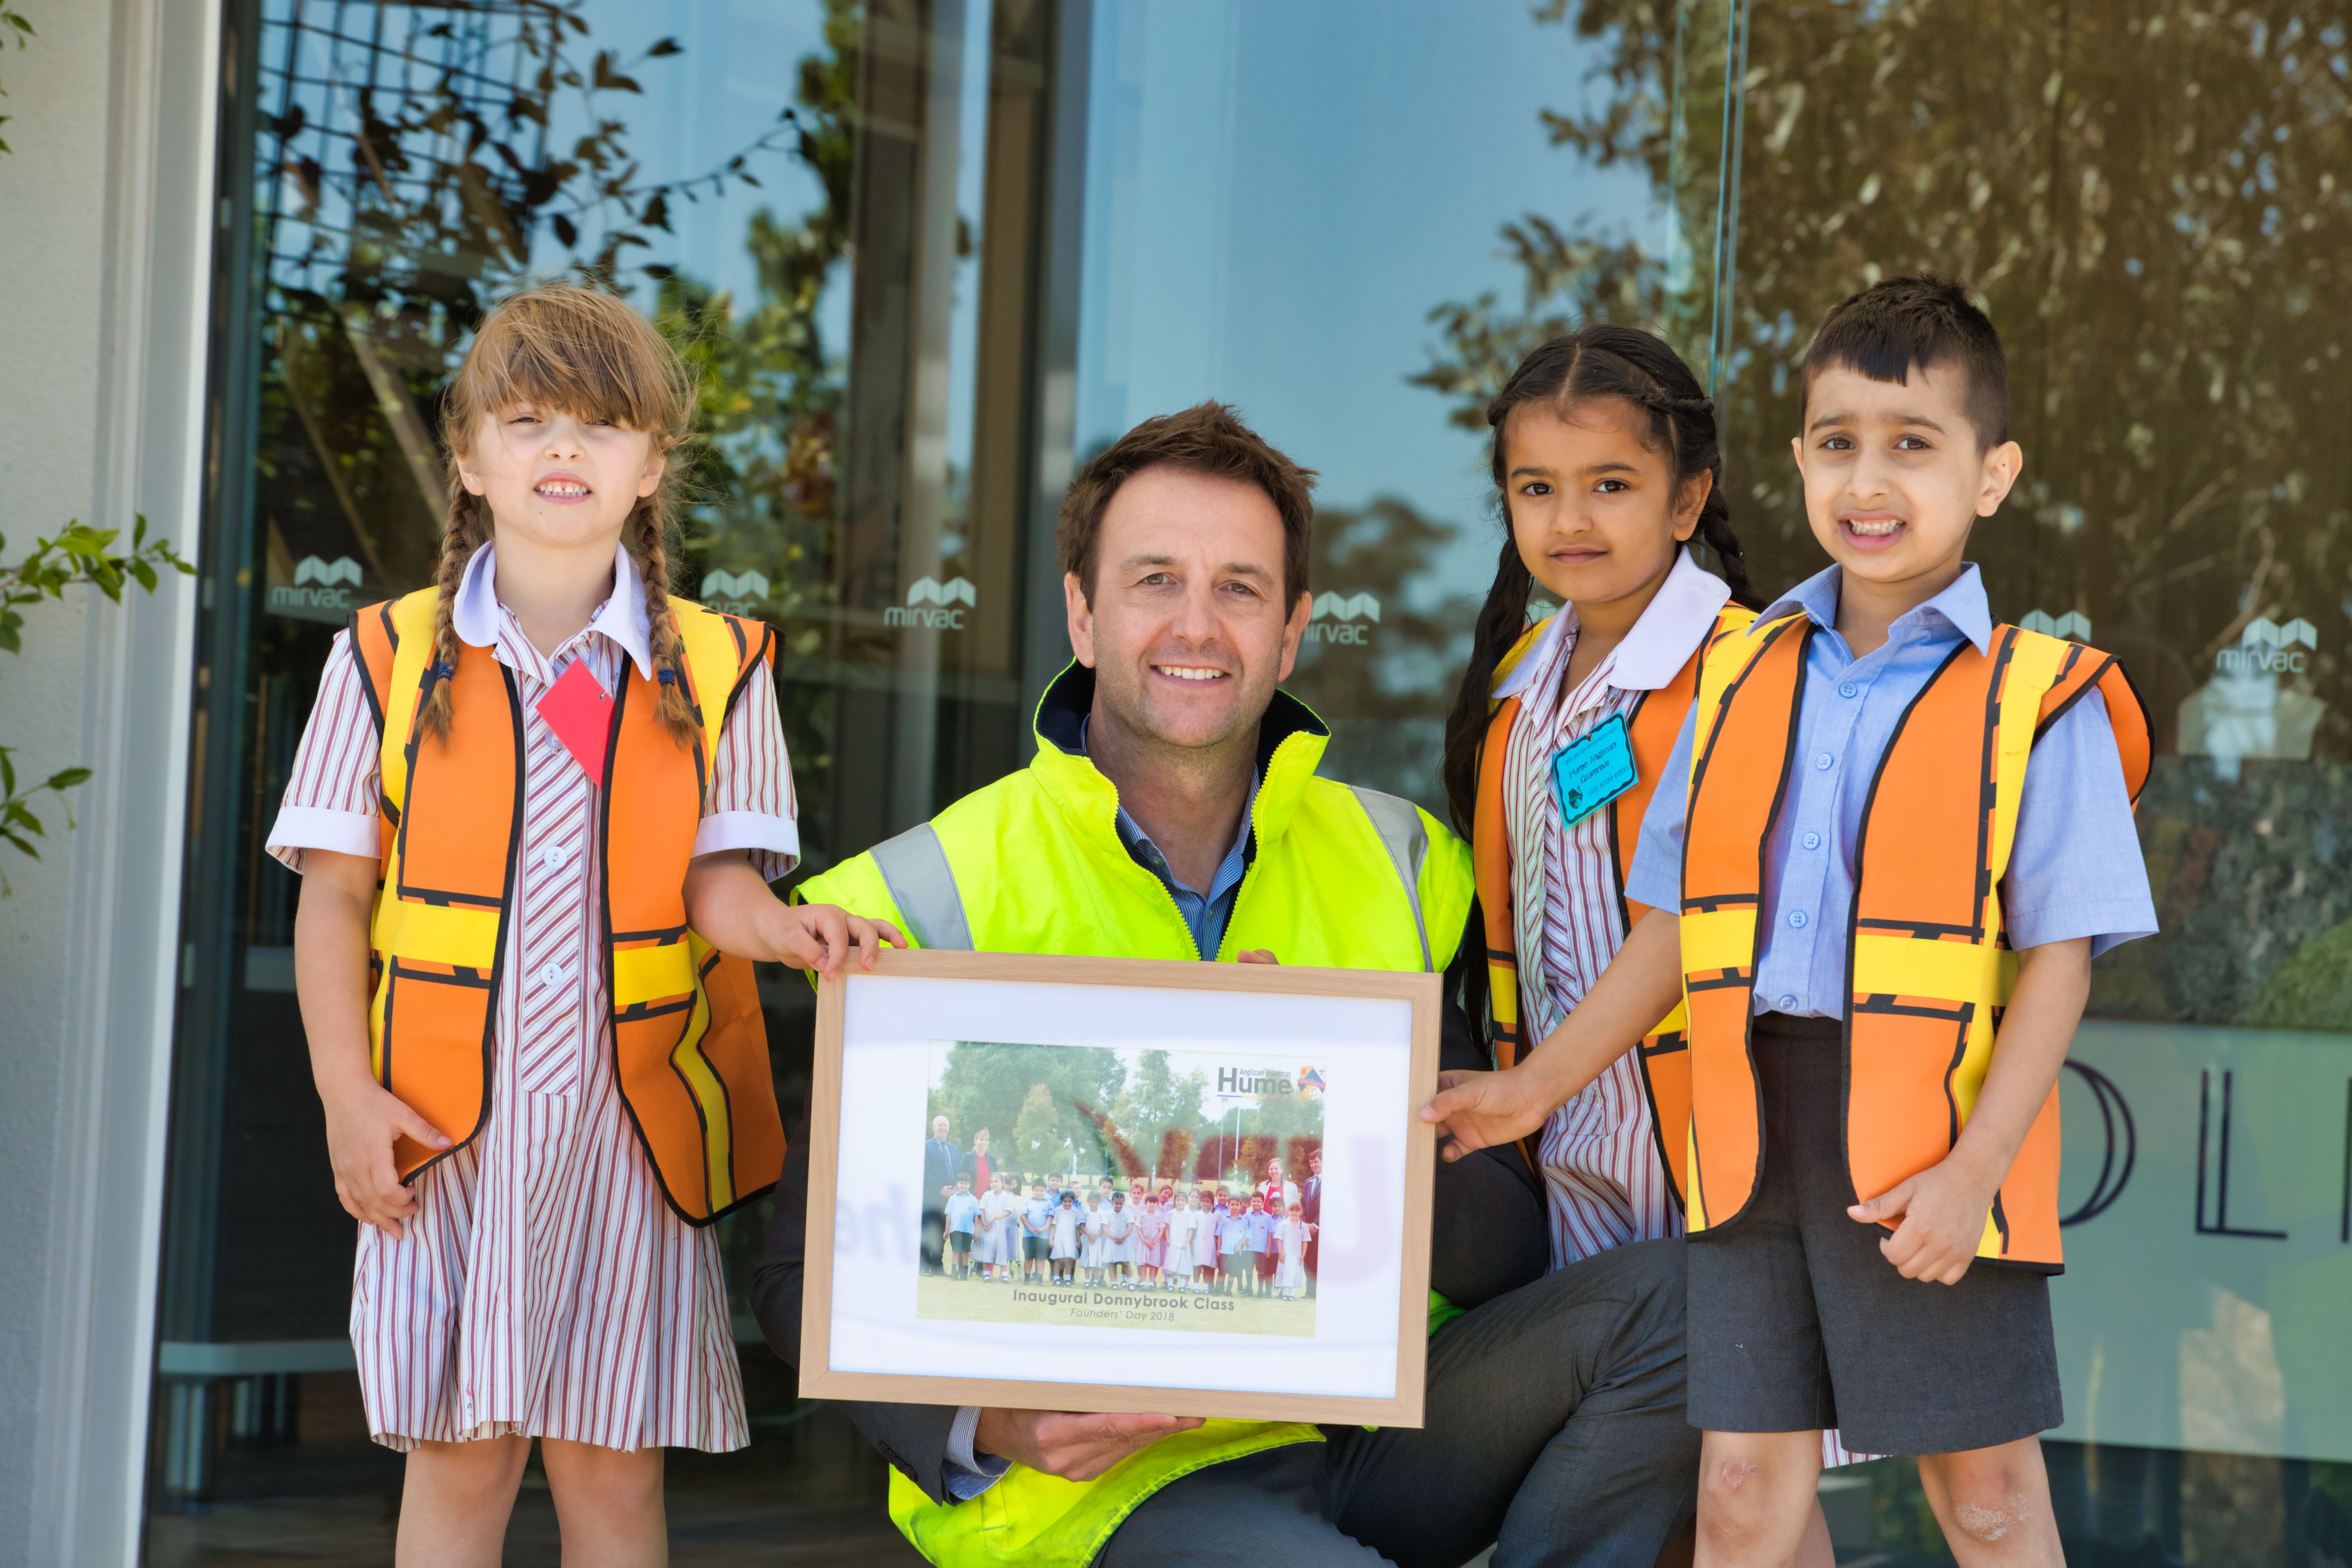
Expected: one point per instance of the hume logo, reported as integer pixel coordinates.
(2269, 648)
(931, 602)
(1341, 618)
(1235, 1083)
(737, 593)
(1311, 1083)
(321, 589)
(2073, 624)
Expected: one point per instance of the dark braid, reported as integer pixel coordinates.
(1604, 361)
(467, 530)
(647, 535)
(1501, 621)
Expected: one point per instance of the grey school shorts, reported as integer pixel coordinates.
(1798, 1322)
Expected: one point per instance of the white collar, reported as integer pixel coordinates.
(1660, 642)
(622, 617)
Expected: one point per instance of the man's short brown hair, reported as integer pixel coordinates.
(1206, 439)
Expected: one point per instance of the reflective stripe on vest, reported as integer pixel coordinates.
(1398, 822)
(1928, 960)
(689, 1044)
(923, 886)
(1652, 727)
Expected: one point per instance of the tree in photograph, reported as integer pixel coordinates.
(1156, 1101)
(990, 1085)
(1038, 1141)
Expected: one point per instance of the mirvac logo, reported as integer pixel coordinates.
(2269, 648)
(737, 593)
(2073, 624)
(1342, 619)
(321, 590)
(931, 602)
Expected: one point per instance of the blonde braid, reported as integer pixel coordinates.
(647, 526)
(461, 535)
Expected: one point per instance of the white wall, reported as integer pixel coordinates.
(104, 237)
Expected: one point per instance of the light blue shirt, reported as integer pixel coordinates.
(1205, 914)
(2075, 869)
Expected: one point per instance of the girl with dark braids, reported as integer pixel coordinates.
(536, 810)
(1610, 480)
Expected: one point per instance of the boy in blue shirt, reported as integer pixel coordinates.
(1905, 834)
(963, 1208)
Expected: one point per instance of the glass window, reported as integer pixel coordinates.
(2151, 200)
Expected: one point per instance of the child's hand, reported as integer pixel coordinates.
(362, 1121)
(1484, 1110)
(819, 936)
(1942, 1210)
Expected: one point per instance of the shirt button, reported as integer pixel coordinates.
(555, 857)
(1824, 761)
(549, 972)
(1789, 1004)
(1812, 841)
(1847, 689)
(1797, 919)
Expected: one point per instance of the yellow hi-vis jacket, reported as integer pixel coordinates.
(1337, 877)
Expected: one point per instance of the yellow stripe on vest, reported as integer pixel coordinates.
(1919, 966)
(412, 617)
(643, 974)
(436, 933)
(718, 1155)
(1718, 938)
(709, 648)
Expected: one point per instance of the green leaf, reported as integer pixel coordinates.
(8, 772)
(67, 778)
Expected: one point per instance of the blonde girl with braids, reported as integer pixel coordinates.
(536, 810)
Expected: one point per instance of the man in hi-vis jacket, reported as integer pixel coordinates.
(1172, 811)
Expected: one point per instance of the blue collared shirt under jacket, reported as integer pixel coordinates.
(2075, 868)
(1205, 914)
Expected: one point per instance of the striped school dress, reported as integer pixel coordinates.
(545, 1289)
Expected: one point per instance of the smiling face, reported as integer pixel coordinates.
(939, 1127)
(1594, 509)
(561, 480)
(1894, 475)
(1187, 632)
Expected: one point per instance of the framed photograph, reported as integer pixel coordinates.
(1115, 1184)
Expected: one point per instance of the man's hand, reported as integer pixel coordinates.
(1069, 1444)
(1484, 1110)
(362, 1119)
(1942, 1213)
(1255, 956)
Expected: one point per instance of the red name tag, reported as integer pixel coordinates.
(580, 710)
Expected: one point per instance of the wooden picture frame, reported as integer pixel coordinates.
(1160, 990)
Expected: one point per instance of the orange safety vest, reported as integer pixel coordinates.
(689, 1044)
(1928, 951)
(1653, 727)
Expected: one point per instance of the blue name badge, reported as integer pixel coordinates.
(1594, 770)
